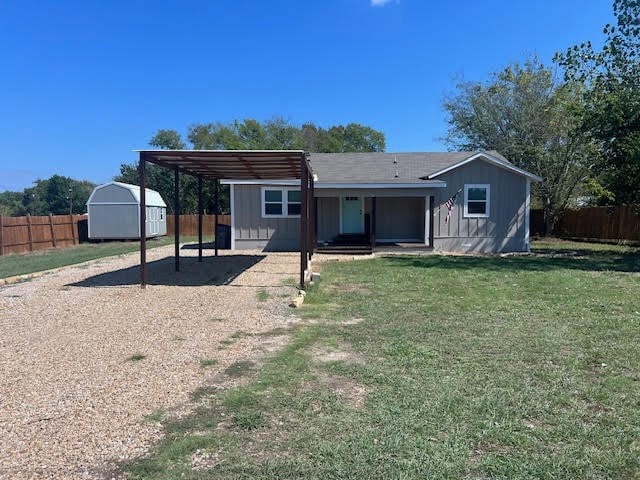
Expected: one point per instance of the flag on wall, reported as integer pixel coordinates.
(449, 204)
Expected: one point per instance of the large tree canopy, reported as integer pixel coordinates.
(57, 195)
(612, 79)
(523, 113)
(249, 134)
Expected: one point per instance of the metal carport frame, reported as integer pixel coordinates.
(230, 165)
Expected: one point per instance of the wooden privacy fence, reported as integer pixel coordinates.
(621, 223)
(27, 234)
(189, 224)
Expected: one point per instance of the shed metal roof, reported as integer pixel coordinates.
(154, 199)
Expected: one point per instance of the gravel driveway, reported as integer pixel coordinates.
(74, 392)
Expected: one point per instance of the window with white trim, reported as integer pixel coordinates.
(281, 202)
(476, 200)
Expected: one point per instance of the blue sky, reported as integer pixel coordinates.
(84, 83)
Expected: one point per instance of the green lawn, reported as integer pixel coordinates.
(437, 367)
(21, 264)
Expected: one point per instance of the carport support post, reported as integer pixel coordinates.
(304, 210)
(216, 207)
(176, 216)
(143, 220)
(312, 219)
(199, 218)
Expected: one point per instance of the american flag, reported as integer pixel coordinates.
(449, 204)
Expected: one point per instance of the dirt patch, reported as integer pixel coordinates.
(349, 288)
(353, 393)
(335, 353)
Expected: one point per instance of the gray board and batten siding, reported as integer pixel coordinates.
(252, 231)
(505, 230)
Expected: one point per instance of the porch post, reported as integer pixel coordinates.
(372, 224)
(304, 242)
(199, 218)
(176, 217)
(143, 220)
(427, 210)
(431, 221)
(312, 219)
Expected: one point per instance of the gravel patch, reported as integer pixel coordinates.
(86, 354)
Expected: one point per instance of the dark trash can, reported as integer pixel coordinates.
(223, 236)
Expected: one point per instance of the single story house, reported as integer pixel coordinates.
(446, 201)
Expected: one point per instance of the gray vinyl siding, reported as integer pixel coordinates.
(123, 222)
(114, 221)
(504, 229)
(400, 219)
(254, 231)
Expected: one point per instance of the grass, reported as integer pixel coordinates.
(21, 264)
(462, 367)
(208, 362)
(136, 357)
(263, 295)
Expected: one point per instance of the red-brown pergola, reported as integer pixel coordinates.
(230, 165)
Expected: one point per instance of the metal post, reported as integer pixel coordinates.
(311, 221)
(143, 221)
(199, 218)
(304, 181)
(216, 207)
(176, 217)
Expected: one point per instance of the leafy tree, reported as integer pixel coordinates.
(55, 195)
(531, 119)
(11, 204)
(612, 77)
(248, 134)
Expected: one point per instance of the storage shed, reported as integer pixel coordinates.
(114, 212)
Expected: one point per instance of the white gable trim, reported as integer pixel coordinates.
(491, 159)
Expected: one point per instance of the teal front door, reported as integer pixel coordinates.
(352, 215)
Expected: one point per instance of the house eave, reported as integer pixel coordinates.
(351, 185)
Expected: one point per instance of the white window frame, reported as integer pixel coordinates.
(285, 201)
(487, 213)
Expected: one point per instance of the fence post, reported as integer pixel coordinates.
(29, 232)
(73, 230)
(53, 231)
(1, 234)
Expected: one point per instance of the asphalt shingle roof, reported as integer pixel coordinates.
(384, 167)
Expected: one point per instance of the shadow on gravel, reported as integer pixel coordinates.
(211, 271)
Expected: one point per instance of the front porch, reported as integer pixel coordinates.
(361, 223)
